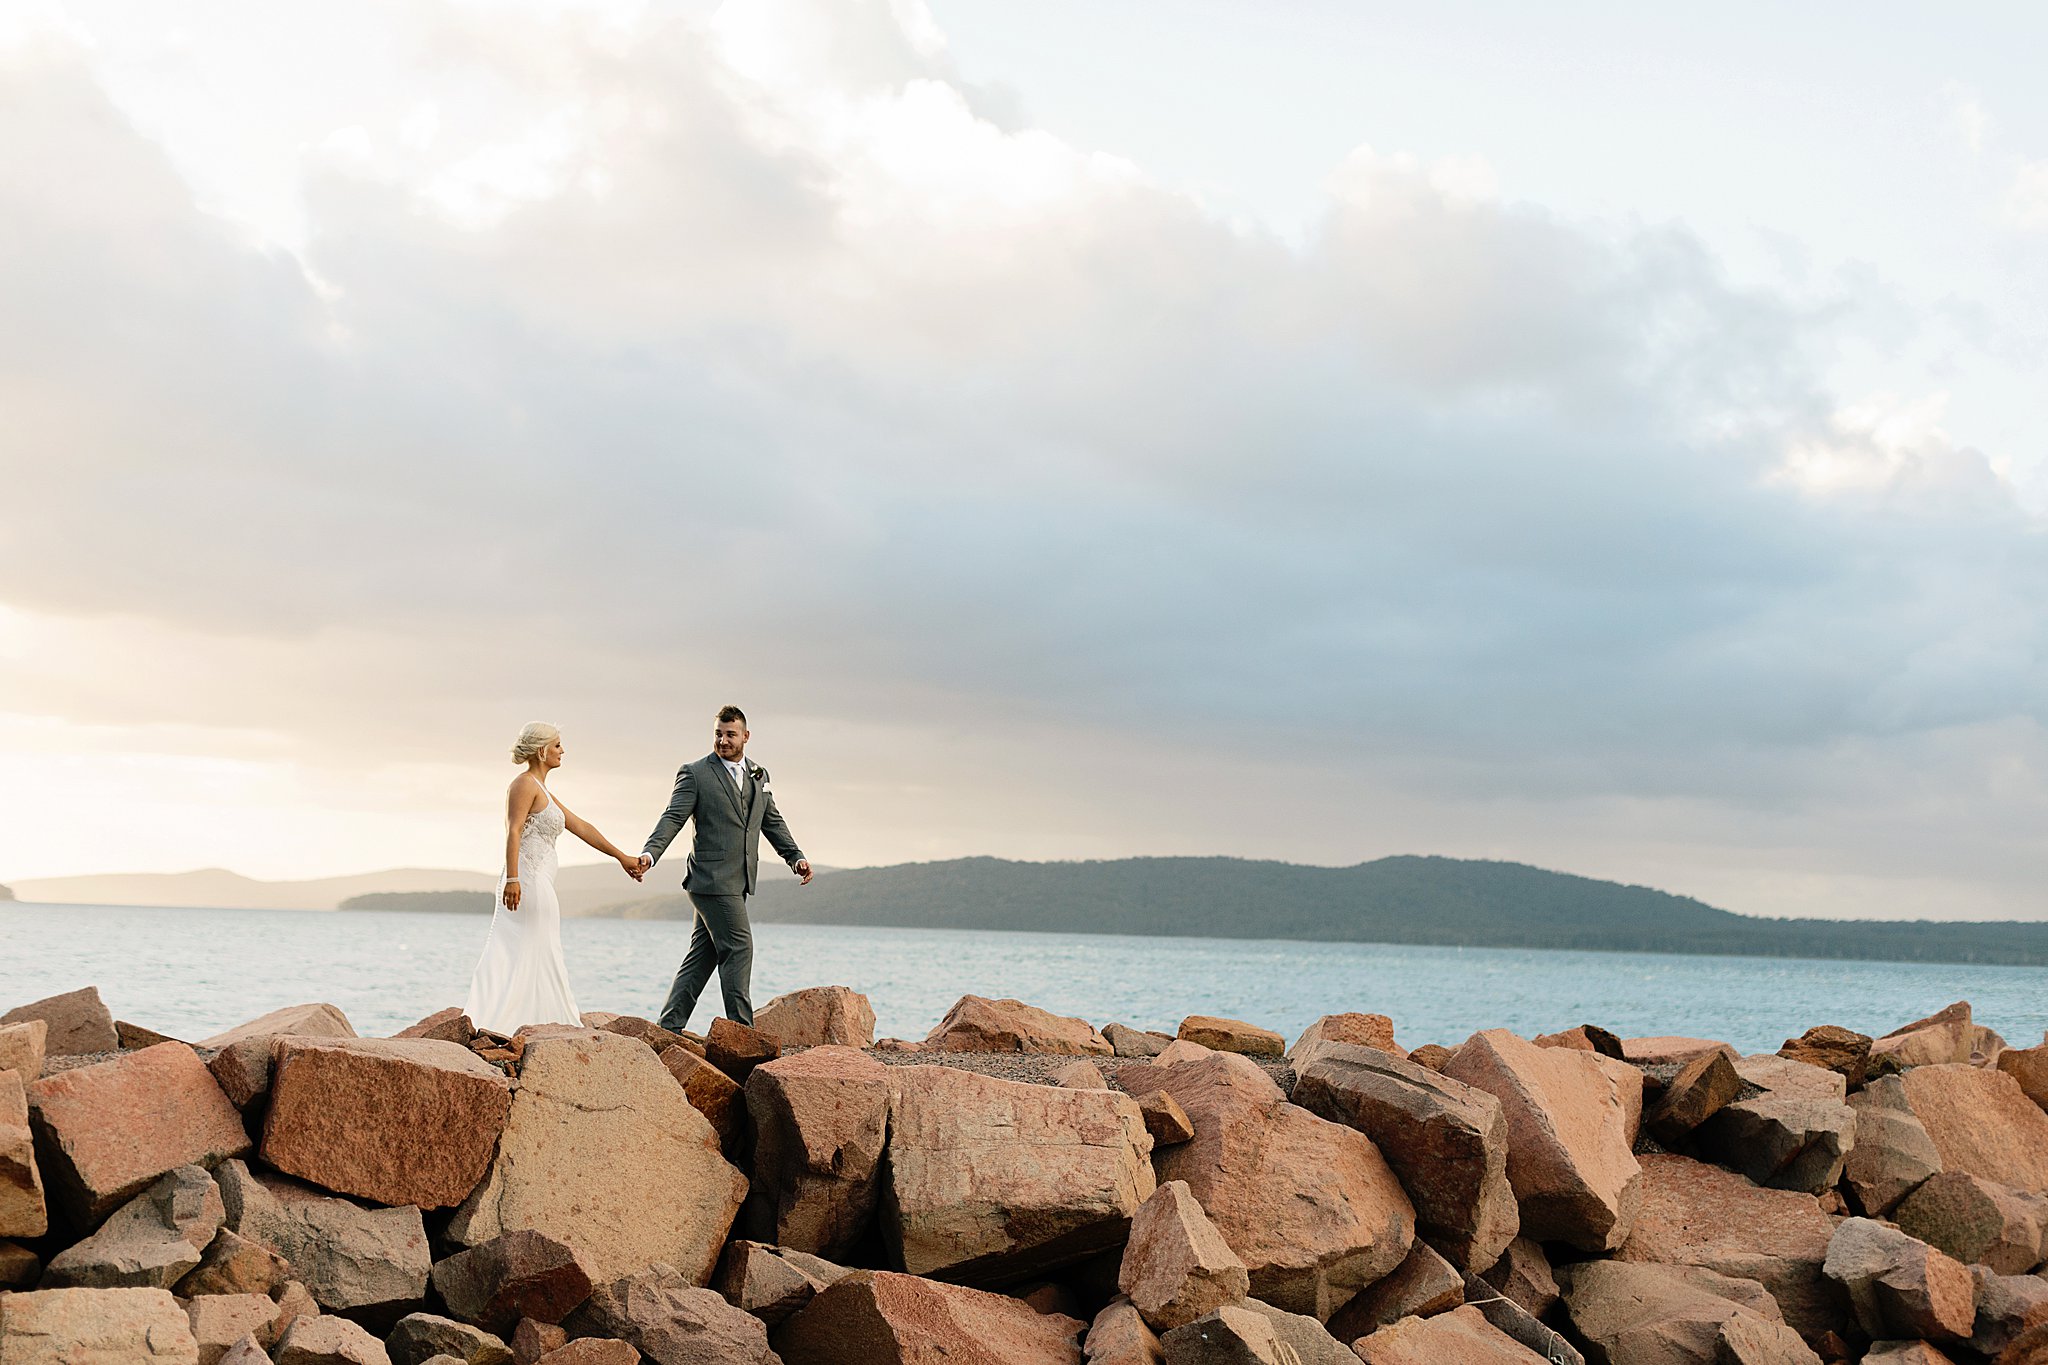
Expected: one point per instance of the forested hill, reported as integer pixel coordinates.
(1394, 900)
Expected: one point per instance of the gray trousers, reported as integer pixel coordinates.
(723, 939)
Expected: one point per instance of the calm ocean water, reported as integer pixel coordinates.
(191, 973)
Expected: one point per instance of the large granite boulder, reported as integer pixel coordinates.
(24, 1212)
(714, 1094)
(241, 1057)
(150, 1242)
(773, 1282)
(95, 1327)
(1568, 1148)
(603, 1151)
(1981, 1122)
(522, 1274)
(1694, 1214)
(106, 1131)
(661, 1313)
(1359, 1030)
(1310, 1206)
(1893, 1152)
(978, 1024)
(736, 1049)
(395, 1121)
(23, 1047)
(1977, 1221)
(991, 1181)
(1462, 1336)
(1898, 1285)
(76, 1023)
(817, 1017)
(1176, 1266)
(1231, 1035)
(352, 1259)
(1941, 1038)
(819, 1117)
(875, 1317)
(1794, 1134)
(1634, 1313)
(1445, 1140)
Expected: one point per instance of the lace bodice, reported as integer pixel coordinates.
(537, 839)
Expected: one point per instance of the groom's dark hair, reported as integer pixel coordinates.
(731, 713)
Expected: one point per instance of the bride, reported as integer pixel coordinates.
(521, 978)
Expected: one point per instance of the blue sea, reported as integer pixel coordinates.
(192, 973)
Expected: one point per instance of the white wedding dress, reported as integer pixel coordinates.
(521, 978)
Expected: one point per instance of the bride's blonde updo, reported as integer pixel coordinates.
(533, 740)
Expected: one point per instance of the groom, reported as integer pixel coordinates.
(733, 807)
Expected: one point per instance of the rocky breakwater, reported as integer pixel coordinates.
(1017, 1188)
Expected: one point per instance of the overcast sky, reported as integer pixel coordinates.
(1608, 440)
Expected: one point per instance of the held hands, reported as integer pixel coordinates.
(803, 869)
(512, 895)
(636, 865)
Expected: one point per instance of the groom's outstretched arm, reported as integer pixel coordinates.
(682, 802)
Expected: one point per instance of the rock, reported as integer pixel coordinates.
(1699, 1091)
(672, 1321)
(22, 1048)
(19, 1267)
(329, 1341)
(522, 1274)
(1310, 1206)
(77, 1023)
(1515, 1322)
(1840, 1050)
(773, 1282)
(150, 1242)
(1361, 1030)
(1898, 1285)
(1079, 1075)
(234, 1264)
(448, 1025)
(350, 1258)
(978, 1024)
(1941, 1038)
(1670, 1050)
(218, 1321)
(1130, 1042)
(1977, 1221)
(531, 1340)
(1794, 1135)
(1630, 1085)
(1165, 1120)
(1584, 1038)
(1666, 1315)
(593, 1351)
(1308, 1339)
(419, 1337)
(875, 1317)
(95, 1327)
(1423, 1285)
(134, 1037)
(604, 1152)
(992, 1181)
(23, 1209)
(2007, 1305)
(1694, 1214)
(1232, 1035)
(818, 1016)
(1980, 1121)
(244, 1352)
(1119, 1335)
(711, 1092)
(1524, 1276)
(2027, 1065)
(819, 1117)
(1568, 1150)
(2028, 1348)
(106, 1131)
(1904, 1353)
(1176, 1266)
(395, 1121)
(736, 1049)
(1233, 1335)
(1462, 1336)
(1893, 1152)
(1431, 1056)
(1446, 1141)
(242, 1056)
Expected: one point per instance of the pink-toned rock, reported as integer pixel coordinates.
(1129, 1042)
(1630, 1087)
(1176, 1266)
(1941, 1038)
(1231, 1035)
(245, 1351)
(422, 1338)
(1898, 1285)
(1840, 1050)
(2007, 1305)
(1981, 1122)
(736, 1049)
(148, 1243)
(218, 1321)
(2028, 1348)
(875, 1317)
(978, 1024)
(1432, 1056)
(134, 1037)
(1977, 1221)
(1462, 1336)
(23, 1211)
(242, 1056)
(1893, 1152)
(449, 1025)
(1795, 1134)
(1668, 1315)
(532, 1340)
(818, 1016)
(773, 1282)
(329, 1341)
(1079, 1075)
(1665, 1049)
(234, 1264)
(22, 1048)
(1905, 1353)
(1296, 1336)
(521, 1275)
(1422, 1286)
(348, 1258)
(2027, 1065)
(819, 1117)
(603, 1151)
(1693, 1214)
(104, 1132)
(593, 1351)
(95, 1327)
(1583, 1038)
(1523, 1275)
(1698, 1092)
(77, 1023)
(992, 1181)
(19, 1267)
(647, 1031)
(714, 1094)
(1360, 1030)
(1445, 1140)
(1310, 1206)
(1119, 1336)
(1165, 1120)
(1568, 1150)
(395, 1121)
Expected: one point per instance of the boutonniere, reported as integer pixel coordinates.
(758, 773)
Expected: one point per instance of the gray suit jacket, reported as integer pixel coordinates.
(725, 859)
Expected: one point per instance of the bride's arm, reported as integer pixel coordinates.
(518, 805)
(591, 835)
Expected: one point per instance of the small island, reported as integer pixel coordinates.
(6, 893)
(425, 902)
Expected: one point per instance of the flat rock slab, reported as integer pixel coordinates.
(819, 1016)
(603, 1151)
(990, 1181)
(347, 1256)
(1231, 1035)
(876, 1317)
(978, 1024)
(76, 1023)
(521, 1275)
(395, 1121)
(1981, 1122)
(1360, 1030)
(1462, 1336)
(104, 1132)
(819, 1119)
(96, 1327)
(24, 1210)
